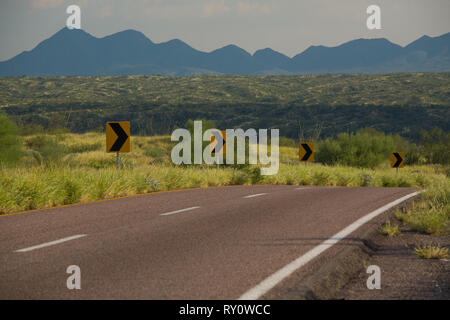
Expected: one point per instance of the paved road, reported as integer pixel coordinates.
(216, 243)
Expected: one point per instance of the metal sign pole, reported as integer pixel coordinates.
(117, 160)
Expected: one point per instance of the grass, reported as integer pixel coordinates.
(390, 230)
(79, 170)
(431, 214)
(432, 251)
(39, 187)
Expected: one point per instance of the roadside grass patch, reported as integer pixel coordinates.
(320, 178)
(343, 180)
(239, 177)
(390, 230)
(68, 168)
(425, 218)
(431, 251)
(431, 214)
(365, 179)
(72, 191)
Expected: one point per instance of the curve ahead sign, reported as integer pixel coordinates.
(118, 136)
(306, 152)
(398, 160)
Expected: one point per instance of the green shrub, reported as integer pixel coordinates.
(10, 142)
(388, 181)
(367, 148)
(239, 177)
(48, 149)
(436, 145)
(254, 174)
(403, 182)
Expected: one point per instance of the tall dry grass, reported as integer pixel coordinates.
(82, 171)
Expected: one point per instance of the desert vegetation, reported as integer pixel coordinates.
(402, 103)
(61, 168)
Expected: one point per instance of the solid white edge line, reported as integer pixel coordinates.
(178, 211)
(255, 195)
(47, 244)
(267, 284)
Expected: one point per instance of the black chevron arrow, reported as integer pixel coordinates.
(308, 152)
(399, 160)
(121, 136)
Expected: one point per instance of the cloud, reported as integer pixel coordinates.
(215, 8)
(245, 8)
(170, 11)
(50, 4)
(106, 11)
(43, 4)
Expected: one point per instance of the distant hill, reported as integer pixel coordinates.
(362, 54)
(76, 52)
(403, 103)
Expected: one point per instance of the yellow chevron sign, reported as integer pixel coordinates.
(215, 135)
(118, 136)
(306, 151)
(398, 160)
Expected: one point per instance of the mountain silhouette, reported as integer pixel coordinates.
(76, 52)
(361, 53)
(269, 60)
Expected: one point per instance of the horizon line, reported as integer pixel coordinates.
(208, 52)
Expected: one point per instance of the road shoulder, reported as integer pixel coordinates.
(343, 274)
(404, 275)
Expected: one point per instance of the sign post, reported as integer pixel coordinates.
(118, 139)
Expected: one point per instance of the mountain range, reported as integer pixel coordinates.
(76, 52)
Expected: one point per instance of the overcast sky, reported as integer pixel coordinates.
(287, 26)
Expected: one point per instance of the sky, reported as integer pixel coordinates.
(287, 26)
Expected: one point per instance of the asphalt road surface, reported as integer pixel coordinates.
(218, 243)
